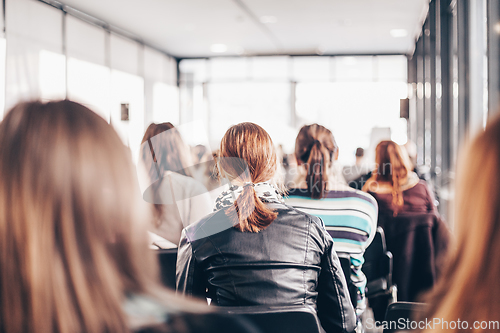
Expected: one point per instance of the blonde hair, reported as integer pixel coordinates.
(71, 242)
(247, 154)
(468, 288)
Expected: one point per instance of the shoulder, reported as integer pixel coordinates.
(287, 211)
(360, 195)
(298, 219)
(209, 225)
(186, 184)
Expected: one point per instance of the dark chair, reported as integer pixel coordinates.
(377, 268)
(271, 319)
(399, 314)
(167, 259)
(353, 290)
(418, 243)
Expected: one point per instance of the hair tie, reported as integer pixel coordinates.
(248, 184)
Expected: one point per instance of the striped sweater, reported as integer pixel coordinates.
(350, 217)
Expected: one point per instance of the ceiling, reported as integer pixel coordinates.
(190, 28)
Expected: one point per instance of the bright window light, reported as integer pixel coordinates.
(218, 48)
(397, 33)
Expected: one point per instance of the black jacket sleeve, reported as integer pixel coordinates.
(189, 276)
(335, 310)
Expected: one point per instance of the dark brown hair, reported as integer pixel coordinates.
(468, 288)
(168, 154)
(72, 240)
(247, 155)
(391, 167)
(315, 147)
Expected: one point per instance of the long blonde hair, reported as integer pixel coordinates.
(72, 244)
(391, 167)
(468, 289)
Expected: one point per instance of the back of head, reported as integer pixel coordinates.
(246, 156)
(392, 167)
(315, 147)
(164, 144)
(162, 150)
(360, 152)
(468, 289)
(71, 244)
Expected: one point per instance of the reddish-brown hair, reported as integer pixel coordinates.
(391, 167)
(468, 289)
(315, 147)
(247, 155)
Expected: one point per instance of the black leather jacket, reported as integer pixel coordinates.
(290, 262)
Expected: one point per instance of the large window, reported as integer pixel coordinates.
(358, 98)
(51, 55)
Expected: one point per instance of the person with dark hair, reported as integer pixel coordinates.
(254, 249)
(74, 248)
(350, 216)
(396, 188)
(178, 198)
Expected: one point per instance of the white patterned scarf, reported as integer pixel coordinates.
(265, 191)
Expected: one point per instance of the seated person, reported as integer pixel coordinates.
(75, 254)
(350, 216)
(396, 188)
(254, 249)
(467, 290)
(178, 198)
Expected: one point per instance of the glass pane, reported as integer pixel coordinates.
(311, 69)
(89, 84)
(52, 75)
(228, 68)
(276, 68)
(85, 41)
(165, 103)
(362, 108)
(197, 68)
(266, 104)
(353, 69)
(391, 68)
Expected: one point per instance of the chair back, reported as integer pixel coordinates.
(418, 243)
(272, 319)
(399, 314)
(378, 265)
(167, 259)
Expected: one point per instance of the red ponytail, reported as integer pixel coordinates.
(251, 145)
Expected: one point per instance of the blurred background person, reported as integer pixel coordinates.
(178, 198)
(350, 216)
(396, 188)
(254, 249)
(360, 168)
(467, 289)
(73, 235)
